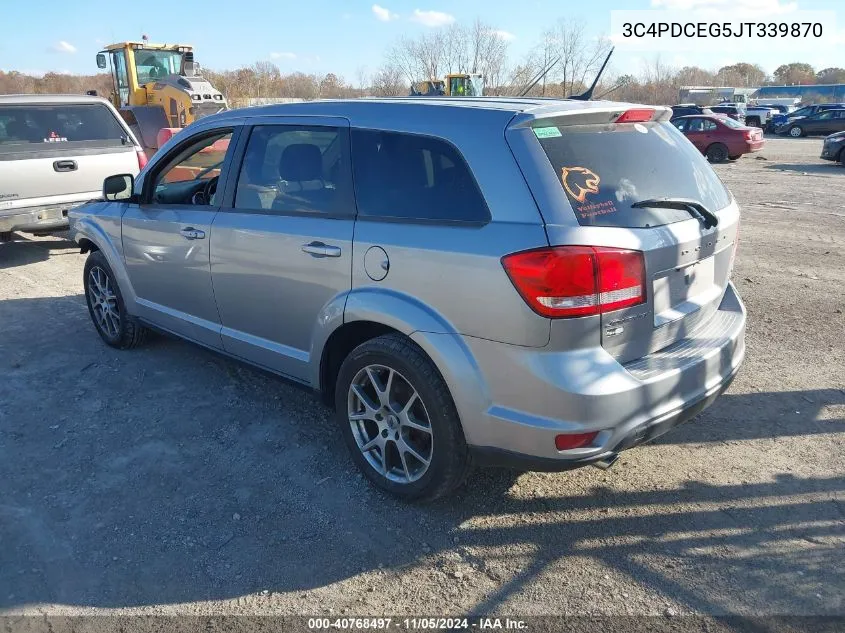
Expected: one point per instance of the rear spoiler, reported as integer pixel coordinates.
(598, 114)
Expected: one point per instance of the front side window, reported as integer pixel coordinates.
(191, 176)
(296, 168)
(413, 177)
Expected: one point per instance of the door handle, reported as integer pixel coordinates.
(318, 249)
(190, 233)
(64, 165)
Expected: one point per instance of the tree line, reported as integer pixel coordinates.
(572, 56)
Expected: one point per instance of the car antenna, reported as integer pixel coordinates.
(588, 94)
(545, 71)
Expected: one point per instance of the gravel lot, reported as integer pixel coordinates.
(171, 480)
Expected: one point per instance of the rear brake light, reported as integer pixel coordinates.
(573, 281)
(574, 440)
(636, 115)
(142, 159)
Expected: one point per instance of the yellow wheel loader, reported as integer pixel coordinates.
(158, 89)
(454, 85)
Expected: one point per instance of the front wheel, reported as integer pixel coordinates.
(399, 421)
(795, 131)
(105, 305)
(717, 153)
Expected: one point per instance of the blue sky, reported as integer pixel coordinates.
(342, 36)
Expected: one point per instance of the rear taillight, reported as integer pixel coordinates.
(749, 135)
(573, 281)
(636, 115)
(142, 159)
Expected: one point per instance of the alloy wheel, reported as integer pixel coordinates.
(103, 301)
(390, 424)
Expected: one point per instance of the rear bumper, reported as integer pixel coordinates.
(33, 219)
(588, 390)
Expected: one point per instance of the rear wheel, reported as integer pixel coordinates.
(737, 157)
(399, 421)
(105, 305)
(717, 153)
(752, 121)
(795, 131)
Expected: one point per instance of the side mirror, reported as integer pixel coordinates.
(118, 187)
(101, 60)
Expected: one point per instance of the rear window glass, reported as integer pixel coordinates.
(413, 177)
(27, 127)
(604, 169)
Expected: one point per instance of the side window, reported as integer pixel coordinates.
(296, 168)
(695, 125)
(191, 176)
(681, 124)
(824, 116)
(413, 177)
(708, 126)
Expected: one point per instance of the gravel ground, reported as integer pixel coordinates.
(170, 480)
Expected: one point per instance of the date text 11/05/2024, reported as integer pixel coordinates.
(431, 623)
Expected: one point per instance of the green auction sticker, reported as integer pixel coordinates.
(546, 132)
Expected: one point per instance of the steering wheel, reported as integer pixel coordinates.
(204, 195)
(210, 189)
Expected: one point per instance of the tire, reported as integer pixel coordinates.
(430, 427)
(737, 157)
(753, 121)
(114, 325)
(795, 131)
(842, 157)
(717, 153)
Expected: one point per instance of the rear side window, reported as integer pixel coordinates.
(25, 127)
(604, 169)
(413, 177)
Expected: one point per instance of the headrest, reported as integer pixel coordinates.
(301, 162)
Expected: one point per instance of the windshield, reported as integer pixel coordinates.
(154, 65)
(463, 87)
(803, 112)
(731, 123)
(605, 169)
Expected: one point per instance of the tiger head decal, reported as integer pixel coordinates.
(579, 181)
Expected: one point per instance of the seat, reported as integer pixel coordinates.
(303, 187)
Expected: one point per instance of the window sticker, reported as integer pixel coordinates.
(55, 138)
(546, 132)
(579, 182)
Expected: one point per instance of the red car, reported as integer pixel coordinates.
(720, 138)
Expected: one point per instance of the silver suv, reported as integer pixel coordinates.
(534, 283)
(55, 151)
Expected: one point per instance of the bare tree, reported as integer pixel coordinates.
(389, 81)
(580, 55)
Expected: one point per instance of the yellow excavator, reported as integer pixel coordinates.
(454, 85)
(158, 89)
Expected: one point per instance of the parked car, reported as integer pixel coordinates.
(492, 281)
(685, 109)
(780, 108)
(833, 146)
(55, 151)
(825, 122)
(732, 111)
(720, 138)
(759, 116)
(780, 122)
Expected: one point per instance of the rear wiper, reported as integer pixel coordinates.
(694, 208)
